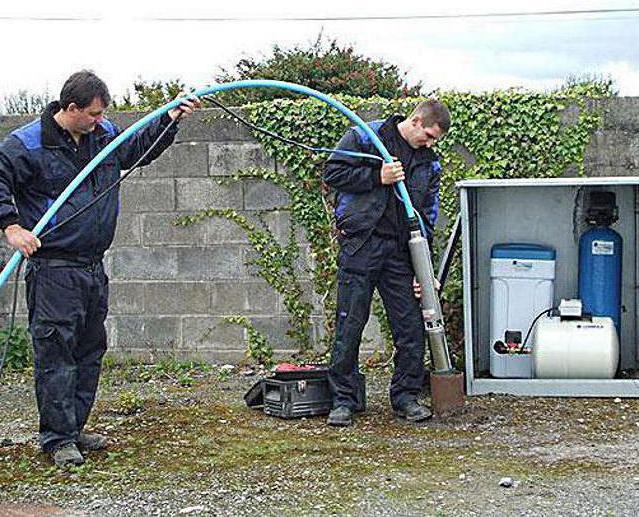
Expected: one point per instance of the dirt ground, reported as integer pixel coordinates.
(183, 442)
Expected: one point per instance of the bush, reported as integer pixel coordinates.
(148, 96)
(326, 66)
(25, 103)
(19, 352)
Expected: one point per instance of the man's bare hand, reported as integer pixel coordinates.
(392, 173)
(417, 289)
(186, 107)
(22, 240)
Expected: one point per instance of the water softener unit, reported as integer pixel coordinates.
(600, 250)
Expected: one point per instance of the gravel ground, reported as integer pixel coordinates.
(182, 442)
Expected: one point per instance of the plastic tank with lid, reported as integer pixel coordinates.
(522, 285)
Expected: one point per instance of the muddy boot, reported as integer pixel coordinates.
(92, 442)
(413, 412)
(67, 455)
(340, 416)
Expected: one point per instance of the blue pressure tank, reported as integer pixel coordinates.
(600, 250)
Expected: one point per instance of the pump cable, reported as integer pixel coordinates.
(281, 138)
(93, 202)
(124, 176)
(289, 141)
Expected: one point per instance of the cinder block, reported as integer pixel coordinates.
(144, 263)
(184, 160)
(198, 194)
(159, 230)
(6, 299)
(212, 355)
(225, 159)
(136, 332)
(206, 125)
(128, 231)
(230, 298)
(613, 148)
(620, 112)
(309, 296)
(124, 119)
(274, 328)
(301, 265)
(371, 337)
(210, 263)
(210, 333)
(126, 298)
(11, 122)
(594, 170)
(148, 195)
(177, 298)
(263, 195)
(279, 223)
(220, 230)
(570, 115)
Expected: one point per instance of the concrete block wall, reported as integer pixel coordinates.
(172, 286)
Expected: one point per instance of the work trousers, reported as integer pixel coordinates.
(383, 264)
(68, 302)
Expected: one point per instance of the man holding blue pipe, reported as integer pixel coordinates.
(67, 289)
(373, 235)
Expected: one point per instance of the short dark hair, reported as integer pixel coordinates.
(433, 112)
(81, 88)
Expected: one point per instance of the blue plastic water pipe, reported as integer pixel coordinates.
(258, 83)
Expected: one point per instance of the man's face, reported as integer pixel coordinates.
(84, 120)
(423, 136)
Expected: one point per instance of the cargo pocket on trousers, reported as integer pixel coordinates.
(344, 293)
(45, 345)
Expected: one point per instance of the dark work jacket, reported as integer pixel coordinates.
(361, 199)
(37, 163)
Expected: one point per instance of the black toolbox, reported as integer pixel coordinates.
(298, 394)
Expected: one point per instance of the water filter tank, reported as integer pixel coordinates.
(600, 250)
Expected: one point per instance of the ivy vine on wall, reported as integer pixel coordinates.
(502, 134)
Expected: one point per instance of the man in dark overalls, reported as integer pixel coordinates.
(67, 289)
(373, 233)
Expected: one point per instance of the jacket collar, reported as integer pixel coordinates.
(389, 130)
(52, 132)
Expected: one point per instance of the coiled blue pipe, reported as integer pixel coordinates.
(257, 83)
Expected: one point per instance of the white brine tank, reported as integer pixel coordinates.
(575, 348)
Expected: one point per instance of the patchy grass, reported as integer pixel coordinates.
(167, 433)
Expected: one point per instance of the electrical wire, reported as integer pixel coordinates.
(114, 184)
(137, 164)
(289, 141)
(564, 12)
(547, 311)
(281, 138)
(7, 341)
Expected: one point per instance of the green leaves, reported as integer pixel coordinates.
(19, 352)
(500, 134)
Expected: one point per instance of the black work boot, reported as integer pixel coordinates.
(67, 455)
(413, 412)
(92, 442)
(340, 416)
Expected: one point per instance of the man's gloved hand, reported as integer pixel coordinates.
(392, 173)
(22, 240)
